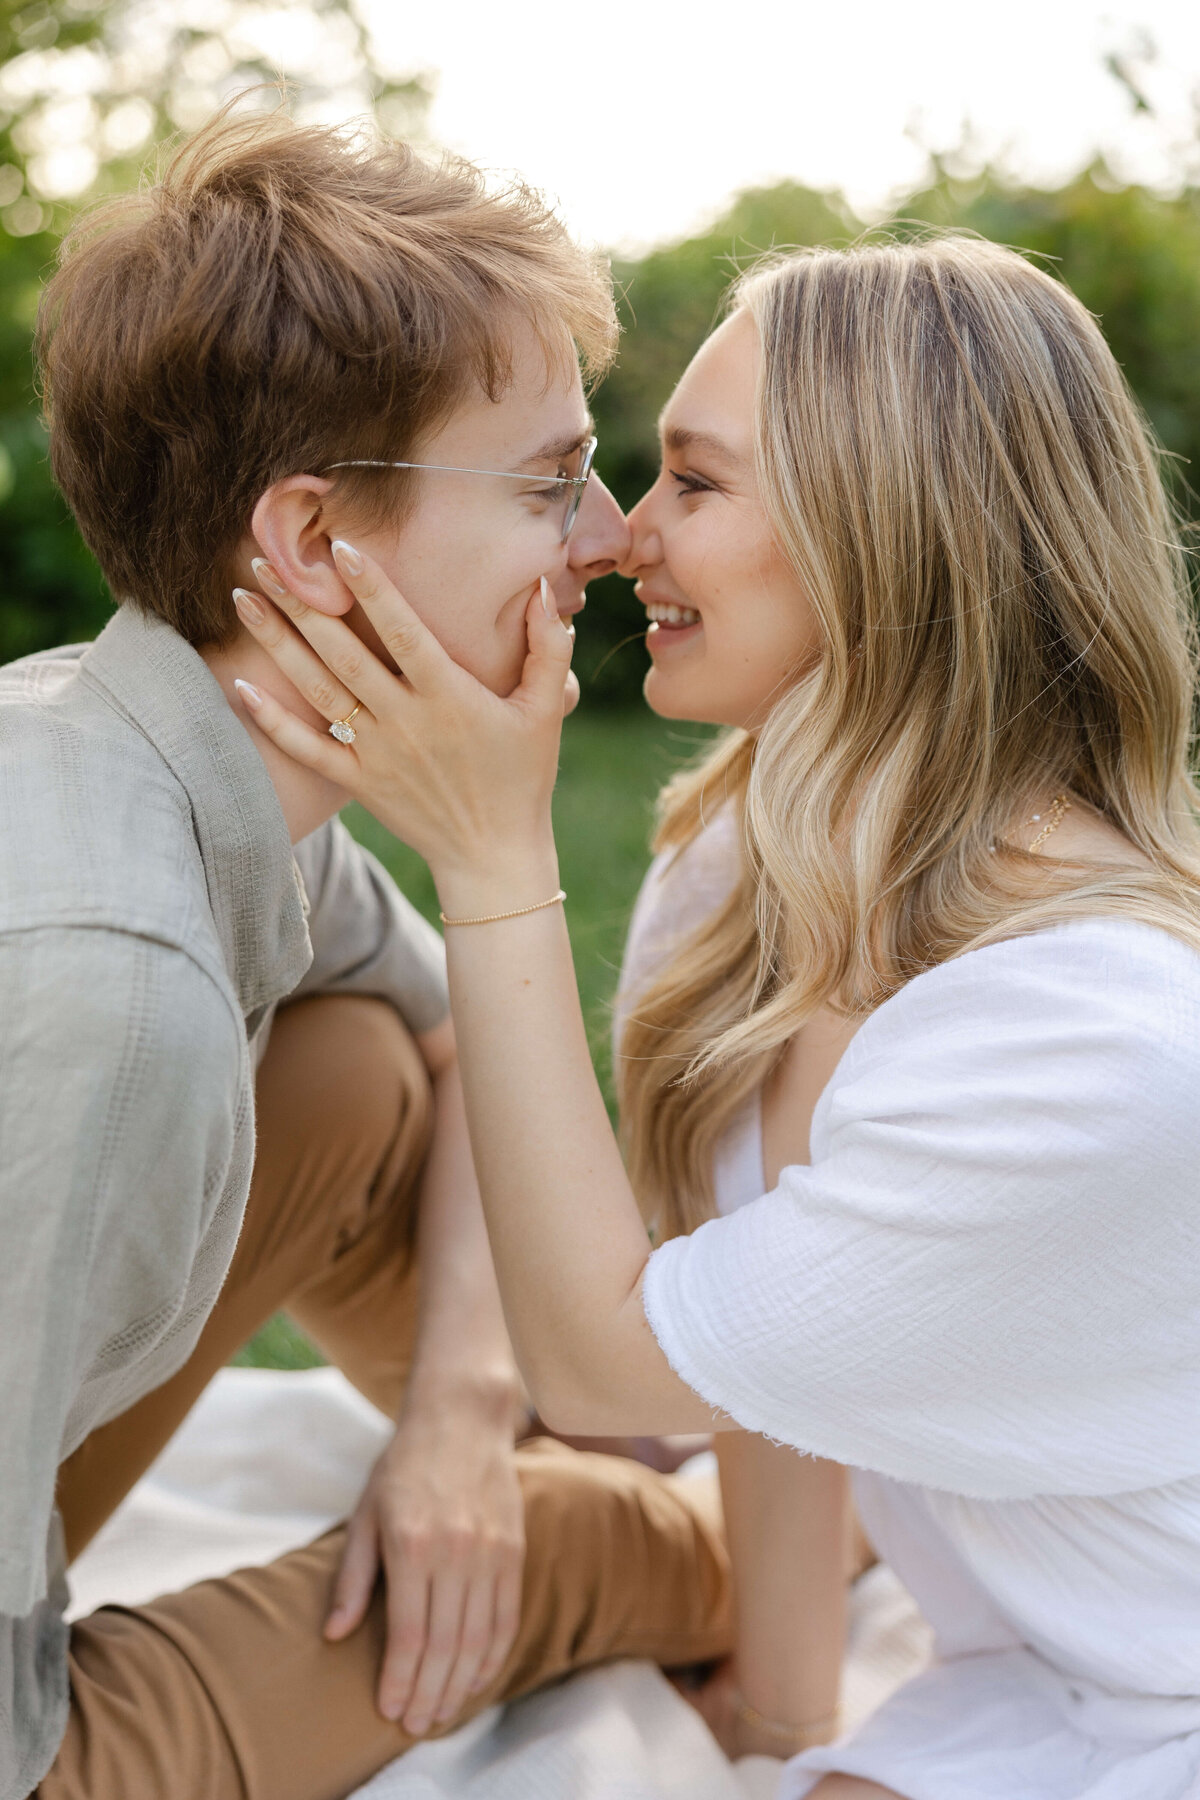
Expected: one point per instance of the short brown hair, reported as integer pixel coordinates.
(282, 297)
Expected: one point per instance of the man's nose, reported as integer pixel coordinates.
(599, 542)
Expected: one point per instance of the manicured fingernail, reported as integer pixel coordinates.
(346, 557)
(250, 695)
(548, 606)
(266, 577)
(249, 607)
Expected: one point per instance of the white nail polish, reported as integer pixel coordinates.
(347, 557)
(266, 576)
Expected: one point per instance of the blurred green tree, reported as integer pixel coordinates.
(86, 91)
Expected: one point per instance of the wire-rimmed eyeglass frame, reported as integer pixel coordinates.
(576, 483)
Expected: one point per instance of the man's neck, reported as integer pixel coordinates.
(306, 800)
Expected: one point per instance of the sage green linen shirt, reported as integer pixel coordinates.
(152, 916)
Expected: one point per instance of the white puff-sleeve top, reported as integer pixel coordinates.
(984, 1296)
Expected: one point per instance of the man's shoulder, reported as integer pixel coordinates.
(95, 829)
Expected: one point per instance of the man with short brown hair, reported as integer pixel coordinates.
(227, 1080)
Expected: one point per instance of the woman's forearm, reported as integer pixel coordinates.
(787, 1524)
(568, 1240)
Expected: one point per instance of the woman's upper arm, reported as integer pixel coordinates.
(967, 1288)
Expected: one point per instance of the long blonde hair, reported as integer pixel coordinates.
(971, 501)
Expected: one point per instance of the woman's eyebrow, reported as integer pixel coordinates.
(679, 438)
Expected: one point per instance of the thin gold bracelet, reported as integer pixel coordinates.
(517, 913)
(802, 1737)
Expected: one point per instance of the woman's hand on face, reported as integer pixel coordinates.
(460, 774)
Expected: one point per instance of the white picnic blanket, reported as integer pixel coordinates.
(267, 1460)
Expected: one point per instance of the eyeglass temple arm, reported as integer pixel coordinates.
(368, 462)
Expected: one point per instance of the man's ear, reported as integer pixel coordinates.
(289, 531)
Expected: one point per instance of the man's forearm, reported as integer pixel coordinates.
(462, 1346)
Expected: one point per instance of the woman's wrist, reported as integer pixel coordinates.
(774, 1736)
(498, 879)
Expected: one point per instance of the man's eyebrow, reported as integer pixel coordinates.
(560, 446)
(679, 438)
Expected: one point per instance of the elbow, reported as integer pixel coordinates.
(567, 1406)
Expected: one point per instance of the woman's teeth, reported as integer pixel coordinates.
(660, 614)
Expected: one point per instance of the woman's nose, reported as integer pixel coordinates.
(599, 542)
(644, 548)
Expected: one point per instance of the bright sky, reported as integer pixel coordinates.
(643, 117)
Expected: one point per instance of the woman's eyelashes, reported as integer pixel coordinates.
(688, 484)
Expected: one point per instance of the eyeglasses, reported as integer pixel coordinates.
(565, 487)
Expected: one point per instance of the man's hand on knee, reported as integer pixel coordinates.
(442, 1514)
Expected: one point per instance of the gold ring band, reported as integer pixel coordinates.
(342, 729)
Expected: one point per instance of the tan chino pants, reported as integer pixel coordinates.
(227, 1690)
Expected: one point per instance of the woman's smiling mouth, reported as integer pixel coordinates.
(666, 614)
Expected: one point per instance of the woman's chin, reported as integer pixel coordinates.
(673, 698)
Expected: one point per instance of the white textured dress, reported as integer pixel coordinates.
(983, 1295)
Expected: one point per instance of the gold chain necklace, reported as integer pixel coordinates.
(1059, 806)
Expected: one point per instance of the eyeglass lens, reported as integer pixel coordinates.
(575, 494)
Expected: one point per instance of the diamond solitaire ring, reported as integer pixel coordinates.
(343, 730)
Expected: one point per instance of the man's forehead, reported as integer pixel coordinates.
(519, 427)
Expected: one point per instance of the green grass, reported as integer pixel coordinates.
(612, 766)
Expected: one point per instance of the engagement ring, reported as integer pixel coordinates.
(343, 730)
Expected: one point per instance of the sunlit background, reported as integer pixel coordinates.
(680, 139)
(642, 118)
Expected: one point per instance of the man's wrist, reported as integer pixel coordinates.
(487, 1397)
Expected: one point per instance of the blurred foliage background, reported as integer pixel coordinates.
(88, 92)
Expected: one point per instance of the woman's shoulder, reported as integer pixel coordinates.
(1003, 1179)
(1077, 1012)
(1072, 970)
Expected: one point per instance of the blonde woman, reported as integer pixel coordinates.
(910, 1067)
